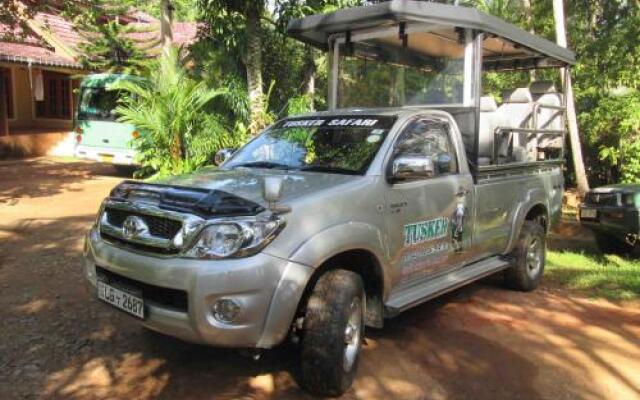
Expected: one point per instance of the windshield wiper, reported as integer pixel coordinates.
(326, 168)
(263, 164)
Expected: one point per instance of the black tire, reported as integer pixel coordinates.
(333, 327)
(529, 258)
(610, 244)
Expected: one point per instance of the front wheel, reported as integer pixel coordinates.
(332, 334)
(529, 255)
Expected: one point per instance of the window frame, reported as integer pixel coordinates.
(43, 109)
(394, 147)
(9, 92)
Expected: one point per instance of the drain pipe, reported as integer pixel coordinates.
(29, 62)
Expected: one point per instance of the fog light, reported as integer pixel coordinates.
(226, 310)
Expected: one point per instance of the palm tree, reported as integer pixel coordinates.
(169, 108)
(238, 24)
(574, 135)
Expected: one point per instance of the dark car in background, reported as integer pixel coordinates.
(613, 214)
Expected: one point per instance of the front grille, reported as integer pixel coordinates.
(138, 246)
(603, 199)
(171, 298)
(158, 226)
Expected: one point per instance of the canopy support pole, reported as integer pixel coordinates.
(334, 71)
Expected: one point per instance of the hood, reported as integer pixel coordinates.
(617, 188)
(247, 183)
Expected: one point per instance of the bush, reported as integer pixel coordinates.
(169, 108)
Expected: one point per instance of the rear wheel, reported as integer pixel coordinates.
(332, 333)
(529, 255)
(609, 244)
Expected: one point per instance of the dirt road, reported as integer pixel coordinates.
(480, 342)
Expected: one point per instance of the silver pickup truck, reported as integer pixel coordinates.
(330, 221)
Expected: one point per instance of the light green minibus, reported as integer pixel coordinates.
(99, 136)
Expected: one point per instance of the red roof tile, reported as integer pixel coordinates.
(17, 35)
(23, 46)
(38, 55)
(61, 28)
(185, 33)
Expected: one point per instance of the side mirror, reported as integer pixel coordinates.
(222, 155)
(272, 188)
(412, 167)
(443, 162)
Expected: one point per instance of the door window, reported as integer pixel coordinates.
(429, 138)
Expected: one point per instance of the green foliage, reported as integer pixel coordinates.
(610, 276)
(170, 109)
(15, 13)
(286, 62)
(607, 85)
(604, 34)
(614, 125)
(183, 10)
(300, 105)
(109, 44)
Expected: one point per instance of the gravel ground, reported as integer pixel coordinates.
(480, 342)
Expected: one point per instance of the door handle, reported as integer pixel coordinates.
(462, 192)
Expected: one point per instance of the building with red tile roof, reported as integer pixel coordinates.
(40, 68)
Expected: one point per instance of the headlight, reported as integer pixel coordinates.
(629, 200)
(234, 238)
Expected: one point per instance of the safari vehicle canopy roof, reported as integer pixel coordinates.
(504, 42)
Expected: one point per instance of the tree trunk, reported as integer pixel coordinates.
(528, 17)
(254, 70)
(310, 76)
(166, 22)
(574, 135)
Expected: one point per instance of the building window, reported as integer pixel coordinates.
(8, 90)
(57, 96)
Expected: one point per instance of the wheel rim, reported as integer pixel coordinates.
(534, 257)
(352, 336)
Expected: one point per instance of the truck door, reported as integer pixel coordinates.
(425, 210)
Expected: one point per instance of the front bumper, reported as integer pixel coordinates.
(267, 288)
(110, 155)
(617, 221)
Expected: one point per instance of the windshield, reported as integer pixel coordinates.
(98, 104)
(344, 145)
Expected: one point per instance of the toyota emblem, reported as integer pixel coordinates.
(133, 226)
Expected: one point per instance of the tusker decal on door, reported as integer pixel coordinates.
(425, 231)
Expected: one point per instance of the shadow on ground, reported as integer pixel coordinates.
(44, 177)
(480, 342)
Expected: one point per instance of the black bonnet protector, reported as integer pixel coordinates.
(204, 203)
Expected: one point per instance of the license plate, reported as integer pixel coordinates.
(588, 213)
(120, 299)
(106, 158)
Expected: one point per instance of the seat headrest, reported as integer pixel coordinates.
(488, 104)
(519, 95)
(543, 87)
